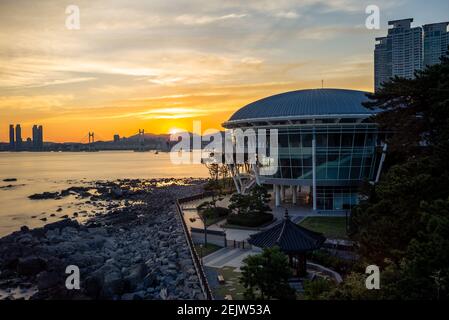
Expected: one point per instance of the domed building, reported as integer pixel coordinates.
(327, 146)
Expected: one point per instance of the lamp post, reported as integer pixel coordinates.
(224, 233)
(204, 220)
(201, 254)
(205, 230)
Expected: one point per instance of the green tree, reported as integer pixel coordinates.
(316, 289)
(240, 203)
(416, 112)
(216, 191)
(259, 199)
(254, 202)
(265, 275)
(424, 272)
(352, 288)
(390, 218)
(214, 170)
(403, 224)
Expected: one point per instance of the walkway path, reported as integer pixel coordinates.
(296, 213)
(227, 257)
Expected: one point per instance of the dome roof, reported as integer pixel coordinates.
(306, 104)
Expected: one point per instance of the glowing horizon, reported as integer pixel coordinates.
(151, 65)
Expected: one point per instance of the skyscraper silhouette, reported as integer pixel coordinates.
(11, 137)
(38, 142)
(41, 137)
(35, 137)
(18, 137)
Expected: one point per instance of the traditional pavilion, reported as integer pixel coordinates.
(292, 239)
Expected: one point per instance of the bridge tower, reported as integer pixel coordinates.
(141, 139)
(91, 141)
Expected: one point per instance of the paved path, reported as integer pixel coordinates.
(227, 257)
(296, 214)
(243, 234)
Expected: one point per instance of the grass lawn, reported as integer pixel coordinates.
(207, 249)
(331, 227)
(232, 284)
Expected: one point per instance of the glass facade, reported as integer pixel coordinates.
(345, 155)
(342, 153)
(336, 198)
(328, 145)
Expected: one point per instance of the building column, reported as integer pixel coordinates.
(314, 169)
(277, 195)
(282, 193)
(294, 193)
(382, 159)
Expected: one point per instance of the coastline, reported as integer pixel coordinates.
(137, 251)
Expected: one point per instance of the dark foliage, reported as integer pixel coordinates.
(403, 225)
(265, 275)
(251, 220)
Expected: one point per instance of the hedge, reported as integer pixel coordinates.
(250, 219)
(215, 212)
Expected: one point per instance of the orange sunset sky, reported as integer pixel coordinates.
(160, 64)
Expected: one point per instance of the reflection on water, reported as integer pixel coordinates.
(52, 171)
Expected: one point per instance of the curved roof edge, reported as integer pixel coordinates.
(305, 104)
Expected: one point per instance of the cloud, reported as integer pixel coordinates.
(134, 56)
(164, 113)
(287, 14)
(63, 81)
(200, 20)
(35, 102)
(329, 32)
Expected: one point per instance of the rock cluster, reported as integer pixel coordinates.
(135, 252)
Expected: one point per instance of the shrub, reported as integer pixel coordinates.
(314, 289)
(250, 219)
(335, 263)
(222, 212)
(215, 212)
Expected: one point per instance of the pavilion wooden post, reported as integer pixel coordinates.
(303, 265)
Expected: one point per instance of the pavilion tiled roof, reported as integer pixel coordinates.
(289, 237)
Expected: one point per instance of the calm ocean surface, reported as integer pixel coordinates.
(53, 171)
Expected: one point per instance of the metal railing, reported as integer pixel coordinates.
(238, 244)
(196, 260)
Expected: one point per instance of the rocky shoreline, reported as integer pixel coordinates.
(135, 251)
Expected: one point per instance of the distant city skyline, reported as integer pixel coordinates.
(18, 142)
(407, 48)
(158, 65)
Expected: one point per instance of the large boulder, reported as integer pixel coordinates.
(135, 276)
(46, 280)
(92, 286)
(62, 224)
(116, 192)
(150, 280)
(84, 260)
(113, 284)
(30, 266)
